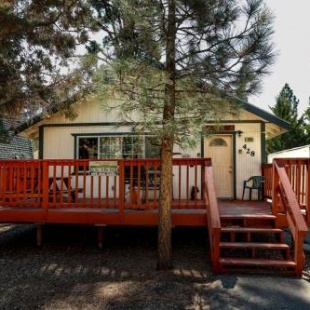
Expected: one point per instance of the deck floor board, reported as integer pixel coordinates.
(184, 212)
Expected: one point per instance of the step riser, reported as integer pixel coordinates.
(255, 253)
(265, 271)
(252, 244)
(265, 223)
(257, 221)
(257, 266)
(252, 237)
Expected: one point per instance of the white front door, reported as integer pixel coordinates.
(219, 149)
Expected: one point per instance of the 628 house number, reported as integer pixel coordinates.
(248, 150)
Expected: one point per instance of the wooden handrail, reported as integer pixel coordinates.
(213, 216)
(282, 187)
(298, 171)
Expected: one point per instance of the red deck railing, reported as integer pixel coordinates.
(284, 201)
(298, 173)
(106, 186)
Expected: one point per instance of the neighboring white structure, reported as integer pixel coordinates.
(236, 147)
(297, 152)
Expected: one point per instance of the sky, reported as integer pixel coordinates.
(292, 65)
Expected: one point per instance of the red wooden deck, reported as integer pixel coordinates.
(126, 193)
(83, 192)
(183, 213)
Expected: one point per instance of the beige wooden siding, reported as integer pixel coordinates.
(89, 112)
(59, 141)
(247, 165)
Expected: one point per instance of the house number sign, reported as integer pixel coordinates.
(248, 150)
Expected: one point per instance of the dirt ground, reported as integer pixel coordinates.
(70, 272)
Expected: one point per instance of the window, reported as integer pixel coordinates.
(110, 147)
(133, 147)
(106, 147)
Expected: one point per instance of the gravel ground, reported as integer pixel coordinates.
(69, 272)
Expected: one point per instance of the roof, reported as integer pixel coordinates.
(46, 111)
(303, 147)
(266, 115)
(12, 146)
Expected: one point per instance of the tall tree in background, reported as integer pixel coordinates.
(37, 39)
(176, 64)
(306, 118)
(286, 107)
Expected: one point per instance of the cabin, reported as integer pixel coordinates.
(97, 169)
(236, 146)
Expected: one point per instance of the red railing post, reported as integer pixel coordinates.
(121, 187)
(213, 216)
(307, 198)
(275, 185)
(299, 256)
(45, 189)
(203, 177)
(267, 173)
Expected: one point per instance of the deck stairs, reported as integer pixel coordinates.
(251, 243)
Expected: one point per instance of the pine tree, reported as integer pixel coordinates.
(37, 39)
(286, 107)
(176, 64)
(306, 119)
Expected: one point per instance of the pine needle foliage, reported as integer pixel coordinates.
(37, 41)
(286, 108)
(222, 51)
(172, 65)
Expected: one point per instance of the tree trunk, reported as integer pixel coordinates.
(164, 228)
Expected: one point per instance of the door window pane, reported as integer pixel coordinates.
(218, 142)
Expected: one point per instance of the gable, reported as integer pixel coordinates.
(273, 126)
(91, 112)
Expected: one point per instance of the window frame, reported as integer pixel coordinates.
(141, 154)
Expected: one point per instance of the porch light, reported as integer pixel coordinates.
(239, 132)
